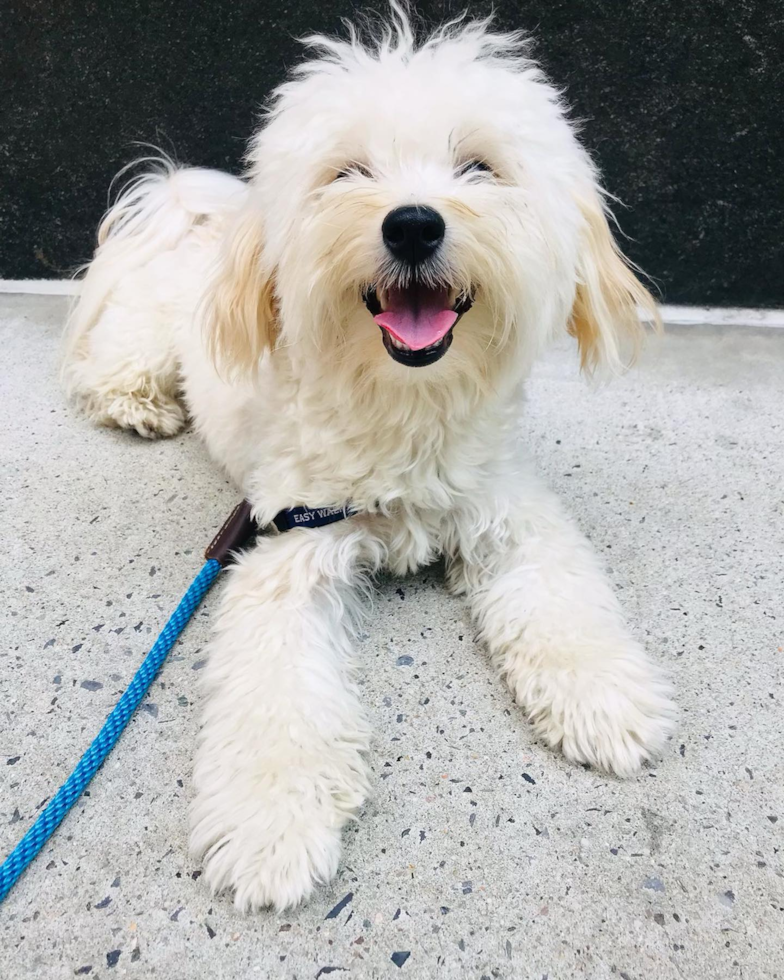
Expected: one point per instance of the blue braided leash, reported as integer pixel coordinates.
(51, 818)
(236, 532)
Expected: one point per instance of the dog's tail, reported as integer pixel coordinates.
(151, 216)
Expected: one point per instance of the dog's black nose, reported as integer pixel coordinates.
(413, 233)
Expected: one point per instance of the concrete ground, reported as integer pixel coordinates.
(481, 854)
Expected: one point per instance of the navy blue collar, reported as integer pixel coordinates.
(293, 517)
(239, 528)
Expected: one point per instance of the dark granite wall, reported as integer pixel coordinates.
(681, 101)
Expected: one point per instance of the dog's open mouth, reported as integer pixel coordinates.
(416, 321)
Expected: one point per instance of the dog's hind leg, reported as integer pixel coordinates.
(125, 372)
(140, 291)
(280, 768)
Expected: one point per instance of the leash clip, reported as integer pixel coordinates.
(238, 530)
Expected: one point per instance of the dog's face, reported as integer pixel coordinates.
(424, 214)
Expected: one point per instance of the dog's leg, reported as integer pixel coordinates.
(279, 768)
(557, 633)
(125, 371)
(138, 298)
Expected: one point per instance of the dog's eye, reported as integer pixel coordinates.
(353, 170)
(474, 167)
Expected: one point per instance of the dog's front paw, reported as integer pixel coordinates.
(269, 852)
(613, 712)
(268, 828)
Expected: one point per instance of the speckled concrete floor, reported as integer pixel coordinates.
(480, 854)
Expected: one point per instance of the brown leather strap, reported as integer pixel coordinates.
(238, 530)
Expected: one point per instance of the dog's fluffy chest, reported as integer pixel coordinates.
(377, 452)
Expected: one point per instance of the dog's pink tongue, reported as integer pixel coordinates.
(417, 316)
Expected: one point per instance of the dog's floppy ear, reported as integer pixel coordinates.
(610, 303)
(240, 314)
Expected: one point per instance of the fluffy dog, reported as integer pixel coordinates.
(351, 325)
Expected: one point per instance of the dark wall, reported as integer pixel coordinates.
(681, 102)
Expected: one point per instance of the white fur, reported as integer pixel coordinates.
(242, 301)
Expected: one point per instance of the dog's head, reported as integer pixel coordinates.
(421, 212)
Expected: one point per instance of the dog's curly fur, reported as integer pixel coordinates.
(243, 300)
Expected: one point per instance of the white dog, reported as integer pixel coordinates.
(351, 325)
